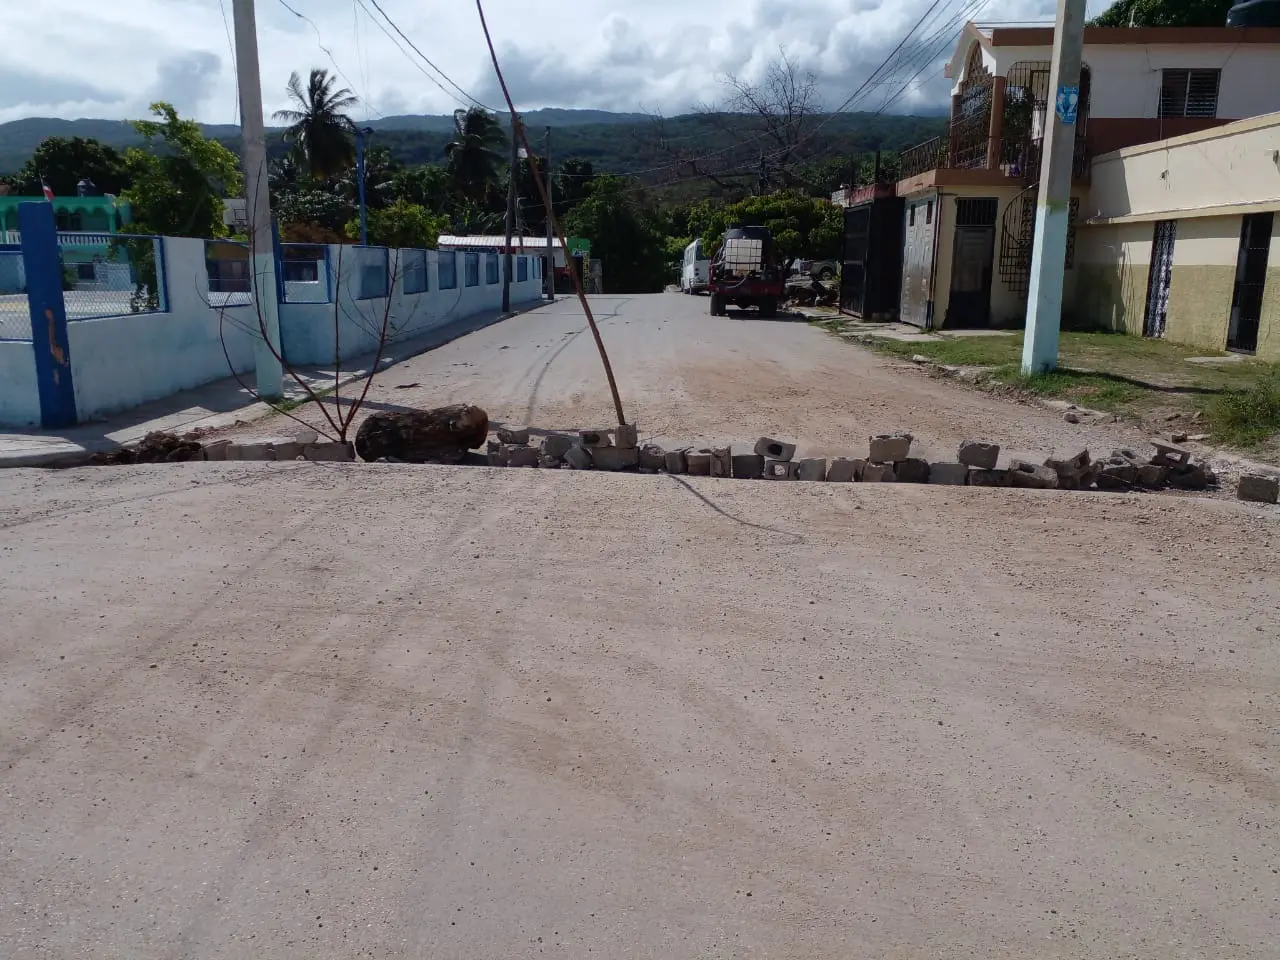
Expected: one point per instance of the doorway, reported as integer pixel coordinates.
(1251, 274)
(1159, 276)
(972, 262)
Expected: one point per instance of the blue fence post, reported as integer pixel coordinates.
(43, 267)
(277, 251)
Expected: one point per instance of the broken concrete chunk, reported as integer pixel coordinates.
(549, 463)
(1117, 474)
(1191, 476)
(519, 455)
(812, 469)
(775, 449)
(595, 438)
(513, 434)
(1258, 488)
(951, 474)
(889, 447)
(555, 446)
(844, 470)
(912, 470)
(578, 458)
(878, 473)
(615, 458)
(676, 462)
(496, 453)
(721, 462)
(1032, 476)
(1070, 467)
(698, 463)
(779, 470)
(1126, 455)
(625, 435)
(216, 450)
(748, 466)
(1152, 476)
(979, 453)
(652, 457)
(979, 477)
(332, 452)
(1168, 455)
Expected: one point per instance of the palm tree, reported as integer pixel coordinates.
(476, 155)
(320, 132)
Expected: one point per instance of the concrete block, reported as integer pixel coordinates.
(550, 463)
(305, 435)
(1191, 476)
(912, 470)
(878, 473)
(288, 450)
(844, 470)
(652, 457)
(950, 474)
(1032, 476)
(513, 434)
(249, 451)
(496, 453)
(556, 445)
(812, 469)
(217, 450)
(676, 462)
(625, 435)
(775, 449)
(1117, 474)
(748, 466)
(889, 447)
(980, 454)
(721, 462)
(331, 452)
(979, 477)
(578, 458)
(1070, 467)
(1168, 455)
(1126, 455)
(519, 455)
(615, 458)
(595, 438)
(1153, 476)
(1258, 488)
(698, 463)
(779, 470)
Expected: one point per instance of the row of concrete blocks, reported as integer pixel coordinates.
(280, 450)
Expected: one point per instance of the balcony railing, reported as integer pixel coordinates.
(929, 155)
(1019, 158)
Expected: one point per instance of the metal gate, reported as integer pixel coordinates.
(1251, 275)
(1158, 277)
(853, 276)
(972, 260)
(917, 262)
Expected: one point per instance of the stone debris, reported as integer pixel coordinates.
(951, 474)
(890, 447)
(677, 462)
(1116, 473)
(155, 447)
(722, 462)
(513, 434)
(979, 477)
(615, 458)
(1169, 455)
(912, 470)
(555, 446)
(779, 470)
(1152, 476)
(1032, 476)
(878, 473)
(1258, 488)
(844, 470)
(980, 454)
(775, 449)
(652, 457)
(626, 436)
(811, 469)
(595, 438)
(698, 463)
(521, 456)
(578, 458)
(748, 466)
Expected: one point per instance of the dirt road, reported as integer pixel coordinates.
(279, 711)
(686, 377)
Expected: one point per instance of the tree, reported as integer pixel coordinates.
(573, 184)
(1166, 13)
(476, 155)
(318, 208)
(402, 224)
(179, 180)
(801, 226)
(321, 133)
(426, 185)
(62, 163)
(622, 236)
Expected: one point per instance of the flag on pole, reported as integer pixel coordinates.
(48, 193)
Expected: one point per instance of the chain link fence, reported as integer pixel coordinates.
(107, 275)
(15, 315)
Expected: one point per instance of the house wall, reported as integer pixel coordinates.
(1204, 275)
(19, 392)
(1112, 263)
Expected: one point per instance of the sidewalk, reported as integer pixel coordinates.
(222, 403)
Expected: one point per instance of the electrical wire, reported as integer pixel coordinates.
(447, 79)
(235, 68)
(327, 52)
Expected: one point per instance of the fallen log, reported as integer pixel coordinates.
(441, 435)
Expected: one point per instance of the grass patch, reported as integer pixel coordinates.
(290, 404)
(1099, 391)
(1247, 418)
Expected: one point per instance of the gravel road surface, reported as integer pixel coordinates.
(279, 711)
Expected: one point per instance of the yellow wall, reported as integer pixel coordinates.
(1269, 328)
(1204, 277)
(1112, 263)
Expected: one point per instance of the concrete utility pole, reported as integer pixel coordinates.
(1049, 253)
(549, 280)
(361, 133)
(511, 214)
(270, 375)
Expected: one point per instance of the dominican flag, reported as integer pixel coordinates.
(48, 193)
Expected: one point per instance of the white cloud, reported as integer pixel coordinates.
(112, 59)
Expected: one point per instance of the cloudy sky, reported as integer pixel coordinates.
(87, 58)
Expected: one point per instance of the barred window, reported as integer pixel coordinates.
(1189, 93)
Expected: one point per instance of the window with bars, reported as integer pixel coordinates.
(1189, 93)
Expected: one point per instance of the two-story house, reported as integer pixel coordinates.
(970, 195)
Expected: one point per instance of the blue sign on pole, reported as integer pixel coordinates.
(1066, 104)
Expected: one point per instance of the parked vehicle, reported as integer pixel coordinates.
(745, 272)
(818, 269)
(695, 274)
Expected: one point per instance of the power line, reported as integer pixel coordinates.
(327, 52)
(235, 69)
(427, 60)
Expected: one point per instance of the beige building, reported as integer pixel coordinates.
(1178, 239)
(970, 195)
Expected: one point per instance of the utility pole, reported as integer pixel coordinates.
(549, 279)
(1049, 251)
(268, 369)
(361, 133)
(511, 214)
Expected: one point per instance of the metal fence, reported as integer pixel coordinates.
(304, 273)
(229, 272)
(111, 274)
(15, 315)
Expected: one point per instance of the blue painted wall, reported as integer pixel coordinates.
(19, 392)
